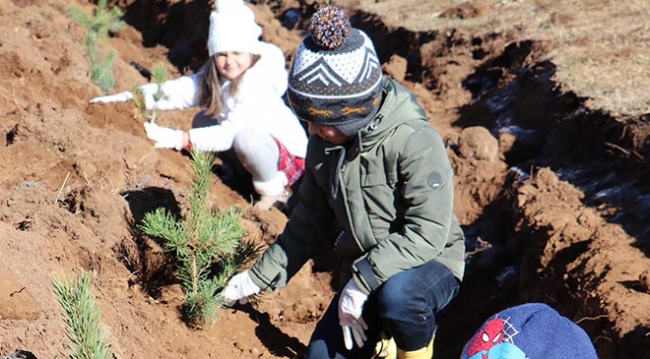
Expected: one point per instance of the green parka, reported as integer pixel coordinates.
(395, 201)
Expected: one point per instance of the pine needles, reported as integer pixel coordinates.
(81, 317)
(207, 245)
(159, 76)
(97, 26)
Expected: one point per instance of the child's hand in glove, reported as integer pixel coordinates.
(165, 137)
(239, 288)
(350, 308)
(118, 97)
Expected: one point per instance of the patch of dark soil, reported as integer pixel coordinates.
(400, 42)
(180, 26)
(278, 342)
(143, 256)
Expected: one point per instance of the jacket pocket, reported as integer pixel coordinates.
(380, 199)
(379, 179)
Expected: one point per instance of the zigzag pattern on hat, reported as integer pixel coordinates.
(371, 64)
(347, 61)
(321, 80)
(320, 71)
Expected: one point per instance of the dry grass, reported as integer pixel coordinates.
(600, 47)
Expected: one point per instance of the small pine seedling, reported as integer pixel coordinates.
(81, 317)
(159, 76)
(207, 244)
(97, 27)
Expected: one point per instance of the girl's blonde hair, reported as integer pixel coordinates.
(210, 91)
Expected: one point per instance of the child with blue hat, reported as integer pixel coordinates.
(529, 331)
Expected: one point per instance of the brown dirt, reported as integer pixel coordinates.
(543, 105)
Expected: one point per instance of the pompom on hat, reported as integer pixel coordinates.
(335, 77)
(233, 28)
(529, 331)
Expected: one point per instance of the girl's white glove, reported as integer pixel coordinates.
(239, 288)
(350, 308)
(118, 97)
(165, 137)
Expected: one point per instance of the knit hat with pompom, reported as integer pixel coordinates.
(335, 78)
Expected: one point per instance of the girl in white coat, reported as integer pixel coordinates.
(240, 89)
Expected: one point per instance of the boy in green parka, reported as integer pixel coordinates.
(378, 172)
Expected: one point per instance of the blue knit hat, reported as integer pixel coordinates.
(335, 78)
(529, 331)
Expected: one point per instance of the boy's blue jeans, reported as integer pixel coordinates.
(406, 304)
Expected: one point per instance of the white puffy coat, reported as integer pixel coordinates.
(258, 103)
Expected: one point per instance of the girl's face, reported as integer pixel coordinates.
(327, 133)
(231, 64)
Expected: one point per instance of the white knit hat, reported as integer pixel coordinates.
(233, 28)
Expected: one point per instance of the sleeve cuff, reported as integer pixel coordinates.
(264, 283)
(364, 277)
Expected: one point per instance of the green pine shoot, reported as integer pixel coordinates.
(97, 27)
(159, 76)
(81, 317)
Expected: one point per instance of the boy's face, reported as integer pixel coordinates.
(231, 64)
(327, 133)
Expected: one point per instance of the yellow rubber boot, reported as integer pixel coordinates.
(386, 349)
(423, 353)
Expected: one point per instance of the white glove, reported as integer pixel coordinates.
(239, 288)
(118, 97)
(350, 308)
(164, 137)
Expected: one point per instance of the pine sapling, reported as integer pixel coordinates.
(82, 318)
(207, 244)
(97, 27)
(159, 76)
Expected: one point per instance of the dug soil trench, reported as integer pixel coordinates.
(552, 193)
